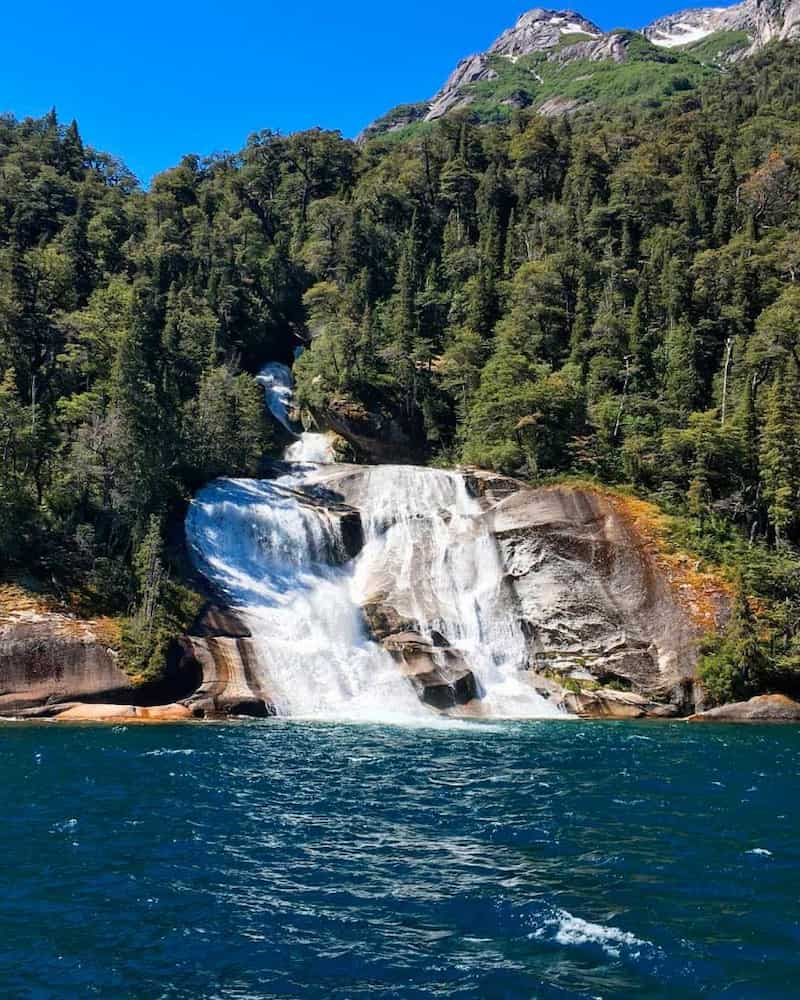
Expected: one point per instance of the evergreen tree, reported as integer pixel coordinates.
(780, 454)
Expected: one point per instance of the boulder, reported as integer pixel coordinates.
(440, 675)
(374, 437)
(764, 708)
(383, 620)
(605, 703)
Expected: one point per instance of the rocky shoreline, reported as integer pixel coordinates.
(613, 628)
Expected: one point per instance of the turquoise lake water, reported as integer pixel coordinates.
(289, 859)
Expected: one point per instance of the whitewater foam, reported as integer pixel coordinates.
(280, 559)
(566, 929)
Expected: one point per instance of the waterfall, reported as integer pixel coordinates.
(427, 533)
(279, 557)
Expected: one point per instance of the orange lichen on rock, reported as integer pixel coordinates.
(20, 606)
(16, 602)
(705, 594)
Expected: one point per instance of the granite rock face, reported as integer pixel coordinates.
(218, 654)
(439, 675)
(762, 20)
(122, 713)
(612, 631)
(595, 604)
(538, 30)
(608, 629)
(47, 658)
(57, 666)
(764, 708)
(687, 26)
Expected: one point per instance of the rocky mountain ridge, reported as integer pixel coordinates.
(548, 40)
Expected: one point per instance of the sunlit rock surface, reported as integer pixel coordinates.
(49, 656)
(577, 595)
(764, 708)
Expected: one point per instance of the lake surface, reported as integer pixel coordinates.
(290, 859)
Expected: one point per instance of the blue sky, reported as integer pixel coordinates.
(151, 81)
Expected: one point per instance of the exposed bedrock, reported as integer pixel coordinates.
(599, 606)
(372, 437)
(610, 627)
(54, 665)
(764, 708)
(218, 653)
(47, 659)
(440, 677)
(347, 519)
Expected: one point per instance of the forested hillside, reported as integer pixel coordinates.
(609, 295)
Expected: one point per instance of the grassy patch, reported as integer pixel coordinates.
(717, 47)
(572, 38)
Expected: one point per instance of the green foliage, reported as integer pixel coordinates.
(733, 666)
(612, 294)
(225, 427)
(717, 47)
(164, 609)
(145, 645)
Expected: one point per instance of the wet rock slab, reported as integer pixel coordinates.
(439, 675)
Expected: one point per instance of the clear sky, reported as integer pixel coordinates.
(150, 81)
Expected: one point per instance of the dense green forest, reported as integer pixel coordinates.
(610, 295)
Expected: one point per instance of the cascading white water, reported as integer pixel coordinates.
(424, 528)
(314, 449)
(281, 562)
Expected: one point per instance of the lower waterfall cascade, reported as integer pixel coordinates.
(280, 560)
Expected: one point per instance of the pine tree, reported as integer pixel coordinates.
(72, 152)
(780, 454)
(734, 667)
(725, 207)
(145, 436)
(76, 244)
(681, 386)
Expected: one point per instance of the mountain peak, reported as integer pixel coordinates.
(555, 39)
(761, 20)
(539, 29)
(696, 23)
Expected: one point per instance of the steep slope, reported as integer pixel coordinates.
(762, 21)
(557, 61)
(695, 24)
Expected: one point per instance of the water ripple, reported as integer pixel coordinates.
(308, 860)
